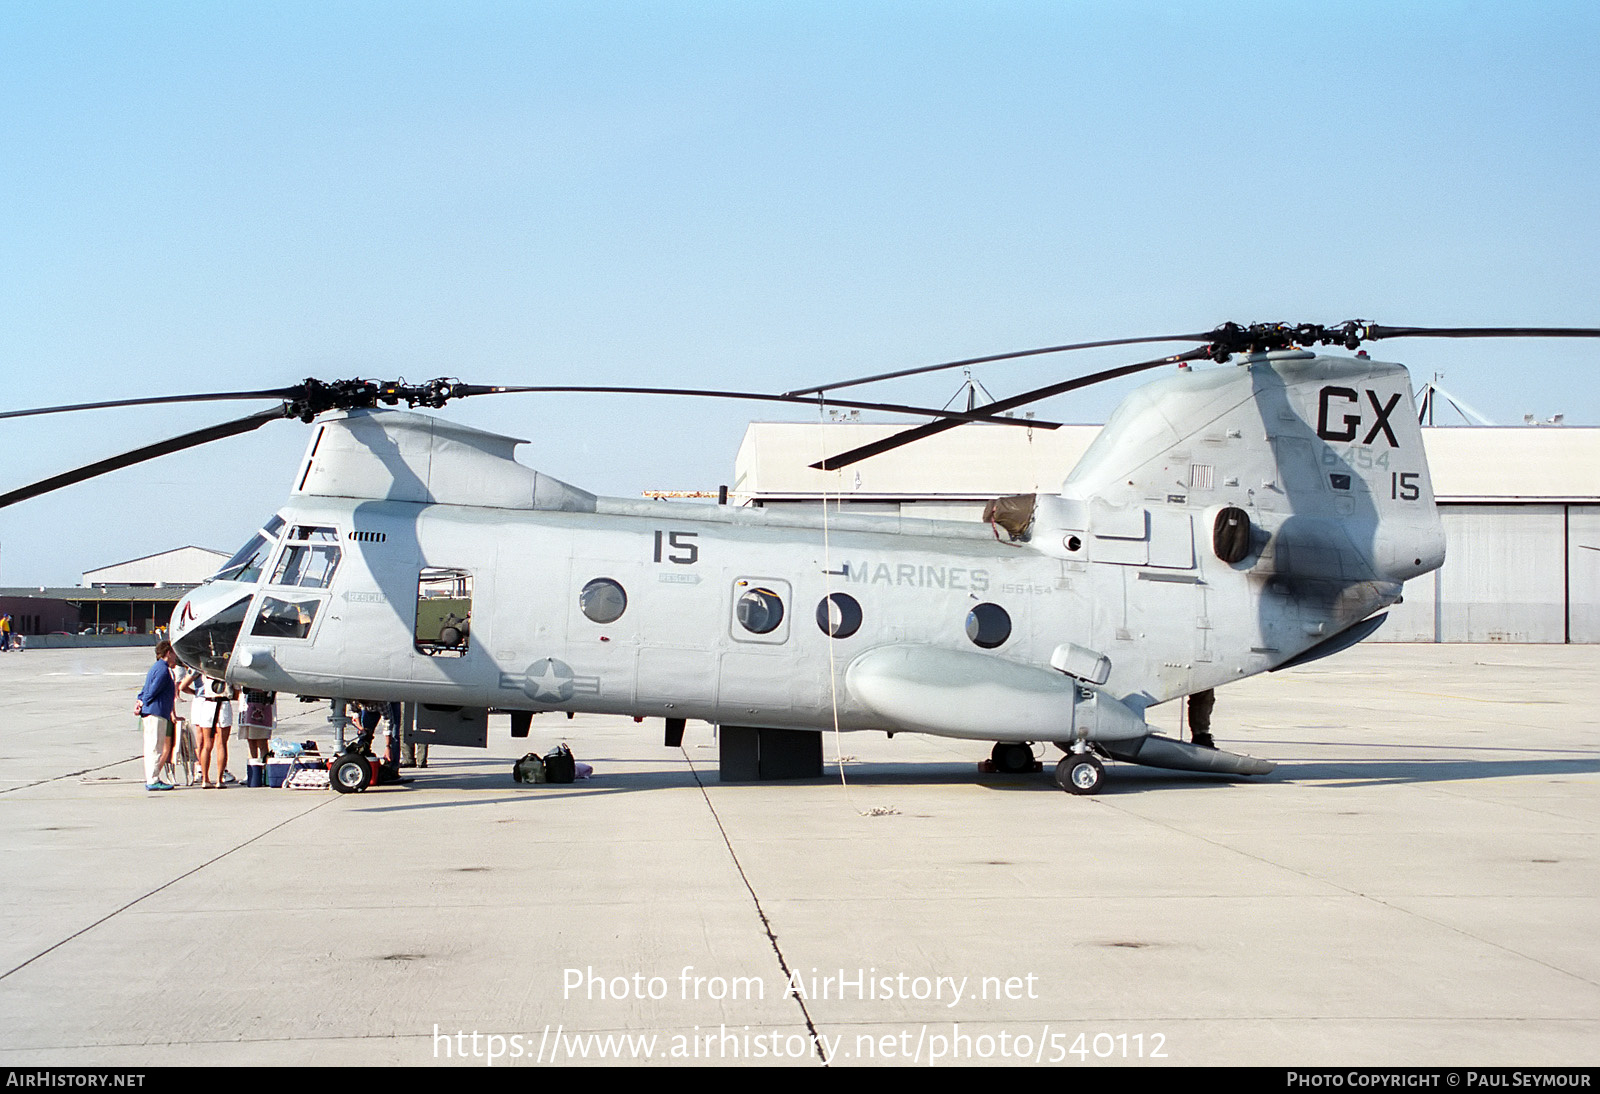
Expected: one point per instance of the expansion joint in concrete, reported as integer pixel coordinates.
(164, 885)
(766, 924)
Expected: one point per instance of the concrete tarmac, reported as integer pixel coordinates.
(1416, 884)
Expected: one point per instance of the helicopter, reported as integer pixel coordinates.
(1227, 521)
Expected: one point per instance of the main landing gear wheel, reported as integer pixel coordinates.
(1012, 758)
(1080, 773)
(350, 774)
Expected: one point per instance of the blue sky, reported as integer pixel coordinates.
(761, 195)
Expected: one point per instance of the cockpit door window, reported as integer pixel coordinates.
(285, 618)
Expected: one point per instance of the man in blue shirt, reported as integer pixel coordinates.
(154, 707)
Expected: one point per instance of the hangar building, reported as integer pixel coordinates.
(180, 566)
(1520, 506)
(125, 603)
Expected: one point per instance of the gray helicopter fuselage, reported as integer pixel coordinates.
(418, 561)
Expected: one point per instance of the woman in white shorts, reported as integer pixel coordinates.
(211, 715)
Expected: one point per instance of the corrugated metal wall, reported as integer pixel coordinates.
(1512, 573)
(1583, 573)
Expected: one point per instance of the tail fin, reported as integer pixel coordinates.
(1319, 457)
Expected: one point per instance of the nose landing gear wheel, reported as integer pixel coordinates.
(1080, 773)
(350, 775)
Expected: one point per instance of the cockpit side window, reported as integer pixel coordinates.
(309, 558)
(314, 533)
(306, 567)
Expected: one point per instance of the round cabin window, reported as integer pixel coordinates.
(603, 600)
(839, 615)
(988, 626)
(760, 611)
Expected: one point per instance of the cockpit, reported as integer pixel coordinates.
(299, 562)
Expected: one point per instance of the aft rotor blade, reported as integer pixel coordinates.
(140, 455)
(917, 433)
(1003, 357)
(202, 397)
(1373, 331)
(987, 413)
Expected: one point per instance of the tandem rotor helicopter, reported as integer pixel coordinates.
(1227, 521)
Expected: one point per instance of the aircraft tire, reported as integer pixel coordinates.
(1080, 773)
(350, 775)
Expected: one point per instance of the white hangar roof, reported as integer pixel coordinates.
(179, 566)
(1514, 463)
(1468, 463)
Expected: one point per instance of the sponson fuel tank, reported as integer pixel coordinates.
(960, 694)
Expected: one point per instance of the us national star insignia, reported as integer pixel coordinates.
(552, 681)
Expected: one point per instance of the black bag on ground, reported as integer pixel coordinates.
(559, 766)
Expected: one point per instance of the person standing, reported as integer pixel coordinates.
(260, 716)
(183, 750)
(5, 632)
(1200, 704)
(154, 708)
(413, 753)
(391, 753)
(211, 715)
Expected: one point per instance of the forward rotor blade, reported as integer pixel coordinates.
(988, 413)
(1004, 357)
(203, 397)
(917, 433)
(140, 455)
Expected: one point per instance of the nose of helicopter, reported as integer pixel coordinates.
(206, 624)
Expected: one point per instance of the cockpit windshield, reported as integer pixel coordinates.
(248, 562)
